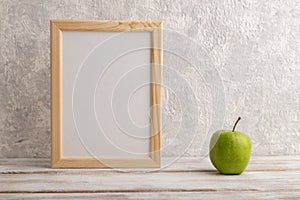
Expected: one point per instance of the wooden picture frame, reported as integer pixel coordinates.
(60, 26)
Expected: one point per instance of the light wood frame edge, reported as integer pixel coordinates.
(57, 26)
(56, 89)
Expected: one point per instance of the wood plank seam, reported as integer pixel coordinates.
(150, 190)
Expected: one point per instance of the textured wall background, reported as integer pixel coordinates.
(236, 58)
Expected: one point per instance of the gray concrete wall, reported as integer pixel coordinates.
(232, 58)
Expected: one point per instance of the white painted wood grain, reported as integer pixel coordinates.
(189, 178)
(144, 182)
(258, 163)
(158, 195)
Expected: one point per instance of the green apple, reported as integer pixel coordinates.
(230, 150)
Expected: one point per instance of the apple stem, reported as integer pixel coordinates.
(239, 118)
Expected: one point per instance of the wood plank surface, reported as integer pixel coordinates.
(258, 163)
(159, 195)
(149, 182)
(271, 177)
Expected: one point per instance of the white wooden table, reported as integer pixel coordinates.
(270, 177)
